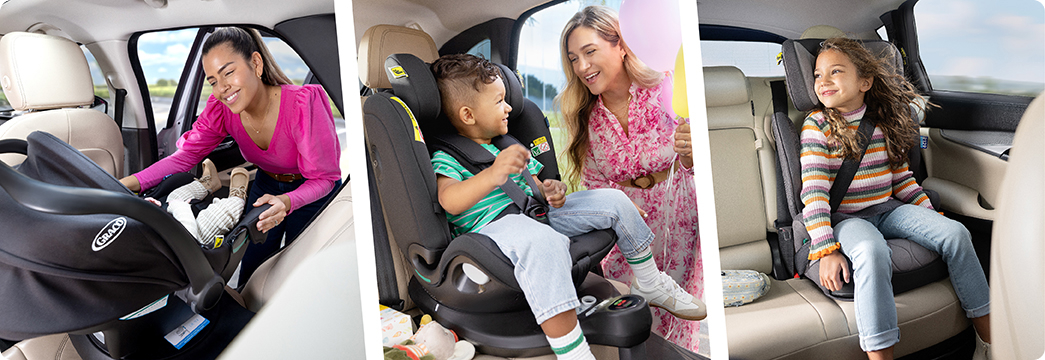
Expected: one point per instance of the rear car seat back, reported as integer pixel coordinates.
(48, 77)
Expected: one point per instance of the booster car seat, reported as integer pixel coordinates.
(115, 272)
(913, 265)
(466, 283)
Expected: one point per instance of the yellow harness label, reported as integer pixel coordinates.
(417, 129)
(398, 72)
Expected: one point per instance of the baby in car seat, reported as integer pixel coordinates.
(220, 216)
(473, 99)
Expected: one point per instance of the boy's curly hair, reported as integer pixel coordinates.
(889, 99)
(460, 78)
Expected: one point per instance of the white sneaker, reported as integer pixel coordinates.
(668, 295)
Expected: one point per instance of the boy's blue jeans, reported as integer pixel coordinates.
(541, 253)
(863, 242)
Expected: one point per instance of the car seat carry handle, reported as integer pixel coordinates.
(17, 146)
(39, 196)
(847, 171)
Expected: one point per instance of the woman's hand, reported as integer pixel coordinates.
(274, 215)
(641, 212)
(684, 145)
(830, 266)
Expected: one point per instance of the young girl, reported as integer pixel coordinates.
(883, 201)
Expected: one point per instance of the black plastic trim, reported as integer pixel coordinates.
(976, 111)
(733, 33)
(148, 152)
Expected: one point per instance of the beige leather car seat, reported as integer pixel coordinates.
(1017, 249)
(795, 320)
(48, 77)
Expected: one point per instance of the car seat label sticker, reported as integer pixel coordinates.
(398, 72)
(924, 142)
(182, 334)
(156, 305)
(109, 233)
(417, 129)
(540, 146)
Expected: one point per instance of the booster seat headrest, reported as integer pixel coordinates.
(413, 83)
(800, 59)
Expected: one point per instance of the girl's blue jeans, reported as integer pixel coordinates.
(863, 242)
(541, 253)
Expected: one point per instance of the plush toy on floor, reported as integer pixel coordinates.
(431, 342)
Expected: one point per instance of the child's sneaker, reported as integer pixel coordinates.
(668, 295)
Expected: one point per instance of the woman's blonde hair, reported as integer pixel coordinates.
(889, 99)
(575, 102)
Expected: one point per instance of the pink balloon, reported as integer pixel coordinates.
(652, 30)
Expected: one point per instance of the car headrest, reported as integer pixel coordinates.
(412, 82)
(725, 85)
(821, 32)
(800, 57)
(380, 41)
(513, 91)
(39, 72)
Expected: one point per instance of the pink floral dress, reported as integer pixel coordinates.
(647, 148)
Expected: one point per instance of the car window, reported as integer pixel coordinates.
(482, 49)
(753, 58)
(163, 54)
(101, 88)
(980, 46)
(539, 63)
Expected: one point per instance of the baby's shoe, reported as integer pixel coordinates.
(668, 295)
(209, 178)
(238, 183)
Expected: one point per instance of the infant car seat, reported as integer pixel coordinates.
(913, 265)
(466, 283)
(83, 256)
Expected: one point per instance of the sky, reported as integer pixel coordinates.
(961, 37)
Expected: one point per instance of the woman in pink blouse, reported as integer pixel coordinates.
(287, 131)
(623, 135)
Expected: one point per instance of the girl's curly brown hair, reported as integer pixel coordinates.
(889, 100)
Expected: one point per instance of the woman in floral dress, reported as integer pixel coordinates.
(624, 135)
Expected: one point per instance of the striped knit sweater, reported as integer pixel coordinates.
(874, 183)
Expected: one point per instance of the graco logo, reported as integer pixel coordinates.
(109, 233)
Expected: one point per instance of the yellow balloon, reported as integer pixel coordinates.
(679, 101)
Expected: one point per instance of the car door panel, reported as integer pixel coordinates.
(968, 137)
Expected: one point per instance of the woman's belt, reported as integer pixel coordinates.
(284, 177)
(646, 181)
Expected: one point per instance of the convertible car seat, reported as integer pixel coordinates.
(1017, 250)
(913, 265)
(466, 283)
(48, 78)
(117, 273)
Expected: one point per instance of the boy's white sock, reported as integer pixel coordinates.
(644, 267)
(571, 346)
